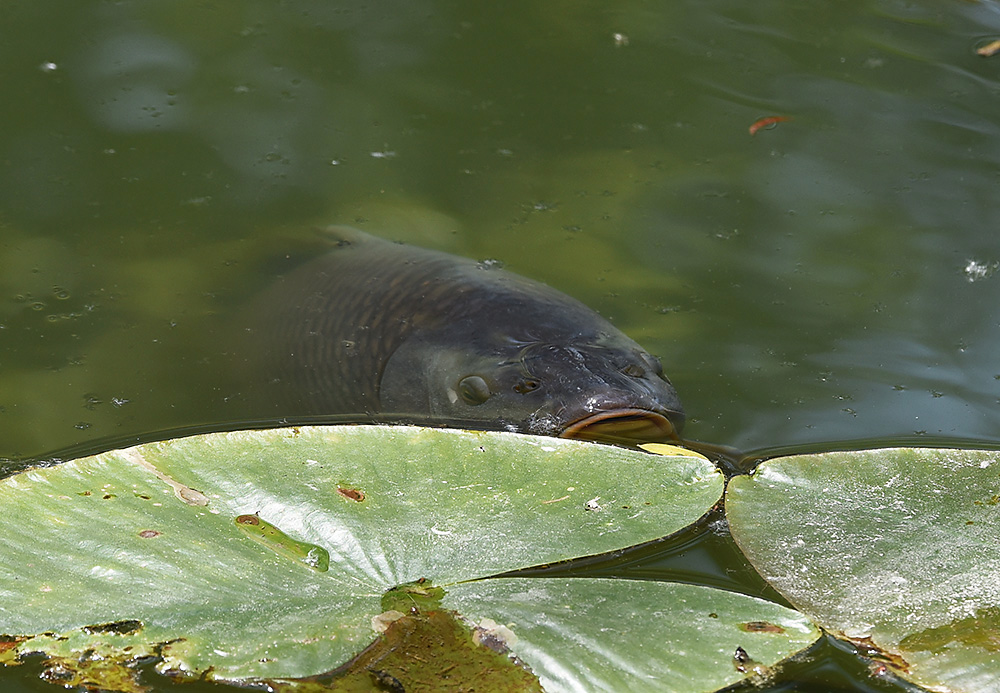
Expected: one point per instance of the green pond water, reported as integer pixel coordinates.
(827, 282)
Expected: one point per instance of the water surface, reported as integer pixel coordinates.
(829, 280)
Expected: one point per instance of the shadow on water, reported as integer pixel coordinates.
(701, 554)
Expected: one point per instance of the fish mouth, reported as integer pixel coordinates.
(622, 425)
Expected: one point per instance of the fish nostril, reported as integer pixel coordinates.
(633, 371)
(526, 385)
(473, 390)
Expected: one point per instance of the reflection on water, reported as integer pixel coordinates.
(806, 286)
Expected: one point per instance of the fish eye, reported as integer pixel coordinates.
(473, 390)
(526, 385)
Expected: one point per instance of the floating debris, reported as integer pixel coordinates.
(990, 49)
(768, 122)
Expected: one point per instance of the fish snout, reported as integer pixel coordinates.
(604, 400)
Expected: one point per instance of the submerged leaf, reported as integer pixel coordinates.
(425, 651)
(895, 549)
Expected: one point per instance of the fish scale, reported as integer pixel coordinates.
(374, 317)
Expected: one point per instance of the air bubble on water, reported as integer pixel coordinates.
(60, 293)
(490, 263)
(48, 66)
(976, 270)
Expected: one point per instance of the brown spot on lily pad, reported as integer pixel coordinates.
(354, 494)
(126, 627)
(866, 647)
(9, 642)
(761, 627)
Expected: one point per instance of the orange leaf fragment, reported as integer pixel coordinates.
(767, 122)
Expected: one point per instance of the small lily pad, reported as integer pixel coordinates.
(629, 635)
(895, 549)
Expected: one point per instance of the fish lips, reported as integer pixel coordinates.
(627, 425)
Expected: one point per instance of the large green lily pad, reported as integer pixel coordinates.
(141, 551)
(895, 549)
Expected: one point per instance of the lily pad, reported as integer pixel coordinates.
(895, 549)
(627, 635)
(150, 550)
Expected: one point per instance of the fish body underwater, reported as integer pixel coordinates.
(381, 329)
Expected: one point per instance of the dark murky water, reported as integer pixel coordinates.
(829, 280)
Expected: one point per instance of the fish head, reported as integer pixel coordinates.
(606, 388)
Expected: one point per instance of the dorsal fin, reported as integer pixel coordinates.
(338, 236)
